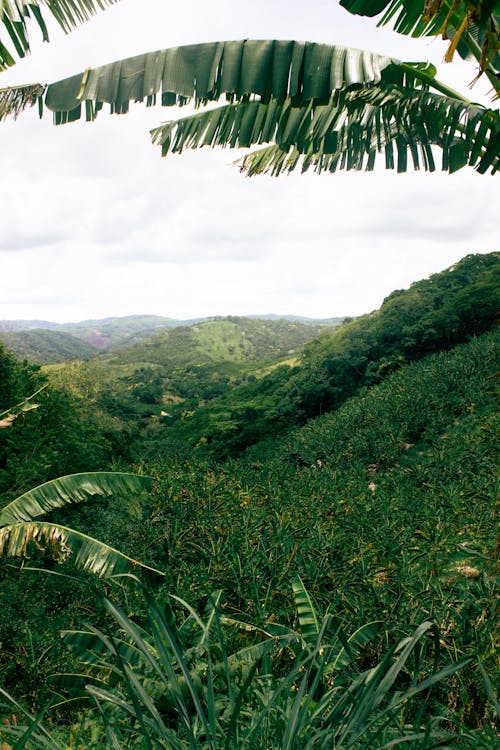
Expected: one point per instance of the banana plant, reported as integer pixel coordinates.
(20, 527)
(311, 105)
(9, 416)
(17, 18)
(17, 15)
(471, 26)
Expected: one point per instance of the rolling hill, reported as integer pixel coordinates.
(231, 339)
(44, 342)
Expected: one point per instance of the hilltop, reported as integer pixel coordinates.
(231, 339)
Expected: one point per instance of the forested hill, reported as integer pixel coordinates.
(432, 315)
(230, 339)
(46, 346)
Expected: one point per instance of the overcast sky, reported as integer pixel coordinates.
(95, 223)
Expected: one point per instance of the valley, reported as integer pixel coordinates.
(310, 482)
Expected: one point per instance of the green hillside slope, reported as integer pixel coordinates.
(45, 347)
(432, 315)
(387, 509)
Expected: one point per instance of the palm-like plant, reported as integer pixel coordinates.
(312, 105)
(15, 15)
(472, 26)
(20, 527)
(15, 18)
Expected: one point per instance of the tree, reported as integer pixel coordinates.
(19, 527)
(314, 105)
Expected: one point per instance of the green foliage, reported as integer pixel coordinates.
(19, 16)
(385, 508)
(184, 686)
(382, 511)
(321, 106)
(19, 532)
(472, 27)
(40, 606)
(17, 379)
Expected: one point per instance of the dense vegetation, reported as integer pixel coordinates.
(332, 540)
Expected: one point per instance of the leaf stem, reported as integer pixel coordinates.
(434, 83)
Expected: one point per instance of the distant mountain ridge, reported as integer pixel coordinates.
(27, 325)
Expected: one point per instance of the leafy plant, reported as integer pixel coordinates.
(472, 27)
(182, 686)
(18, 529)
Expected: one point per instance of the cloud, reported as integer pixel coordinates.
(15, 241)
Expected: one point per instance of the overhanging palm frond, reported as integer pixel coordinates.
(15, 99)
(64, 544)
(472, 26)
(15, 15)
(69, 490)
(324, 106)
(348, 132)
(268, 69)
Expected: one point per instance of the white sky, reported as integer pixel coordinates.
(94, 223)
